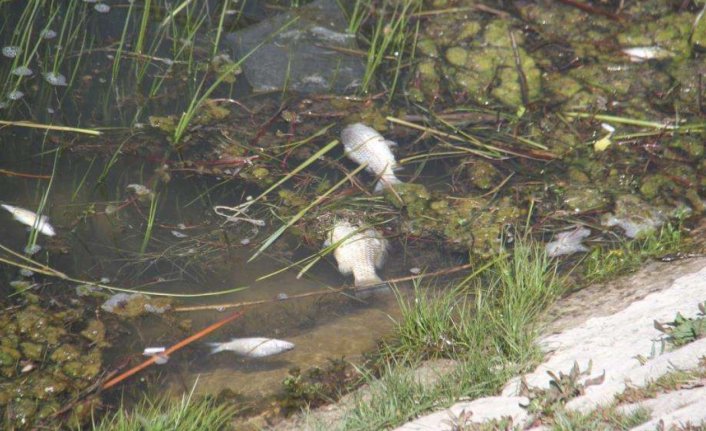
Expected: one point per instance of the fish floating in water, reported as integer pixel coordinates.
(364, 145)
(358, 252)
(30, 219)
(643, 53)
(255, 347)
(568, 242)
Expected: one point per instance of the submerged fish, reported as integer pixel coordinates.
(30, 219)
(568, 242)
(364, 145)
(358, 252)
(643, 53)
(255, 347)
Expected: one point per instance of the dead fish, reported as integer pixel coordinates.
(358, 252)
(568, 242)
(254, 347)
(364, 145)
(643, 53)
(30, 219)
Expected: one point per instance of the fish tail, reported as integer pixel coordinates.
(368, 280)
(386, 181)
(215, 347)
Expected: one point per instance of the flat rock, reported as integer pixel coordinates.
(303, 50)
(618, 342)
(612, 327)
(481, 410)
(672, 408)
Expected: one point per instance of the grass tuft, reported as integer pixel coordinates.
(488, 327)
(164, 415)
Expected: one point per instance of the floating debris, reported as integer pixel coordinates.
(33, 249)
(11, 51)
(55, 79)
(602, 144)
(139, 189)
(255, 347)
(15, 95)
(24, 272)
(136, 304)
(149, 351)
(634, 216)
(415, 270)
(158, 353)
(157, 309)
(178, 234)
(101, 8)
(568, 242)
(22, 71)
(358, 252)
(364, 145)
(47, 34)
(29, 218)
(644, 53)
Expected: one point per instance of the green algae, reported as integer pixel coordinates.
(467, 224)
(42, 365)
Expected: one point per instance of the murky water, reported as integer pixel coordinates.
(502, 117)
(94, 245)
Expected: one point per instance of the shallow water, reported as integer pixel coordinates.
(542, 171)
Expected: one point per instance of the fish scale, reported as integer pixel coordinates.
(358, 253)
(365, 146)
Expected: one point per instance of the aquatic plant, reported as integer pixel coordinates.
(188, 413)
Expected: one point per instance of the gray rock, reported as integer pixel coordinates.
(298, 51)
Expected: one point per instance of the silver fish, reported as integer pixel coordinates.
(358, 252)
(364, 145)
(255, 347)
(643, 53)
(30, 219)
(568, 242)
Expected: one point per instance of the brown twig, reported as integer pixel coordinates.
(22, 175)
(172, 349)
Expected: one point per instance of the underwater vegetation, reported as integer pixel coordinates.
(152, 137)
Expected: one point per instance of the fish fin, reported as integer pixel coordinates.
(390, 144)
(367, 280)
(385, 182)
(345, 268)
(215, 347)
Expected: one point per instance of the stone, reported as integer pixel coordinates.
(482, 410)
(297, 51)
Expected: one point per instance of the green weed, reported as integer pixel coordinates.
(164, 415)
(603, 263)
(488, 325)
(603, 419)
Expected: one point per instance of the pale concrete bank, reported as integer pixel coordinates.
(611, 326)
